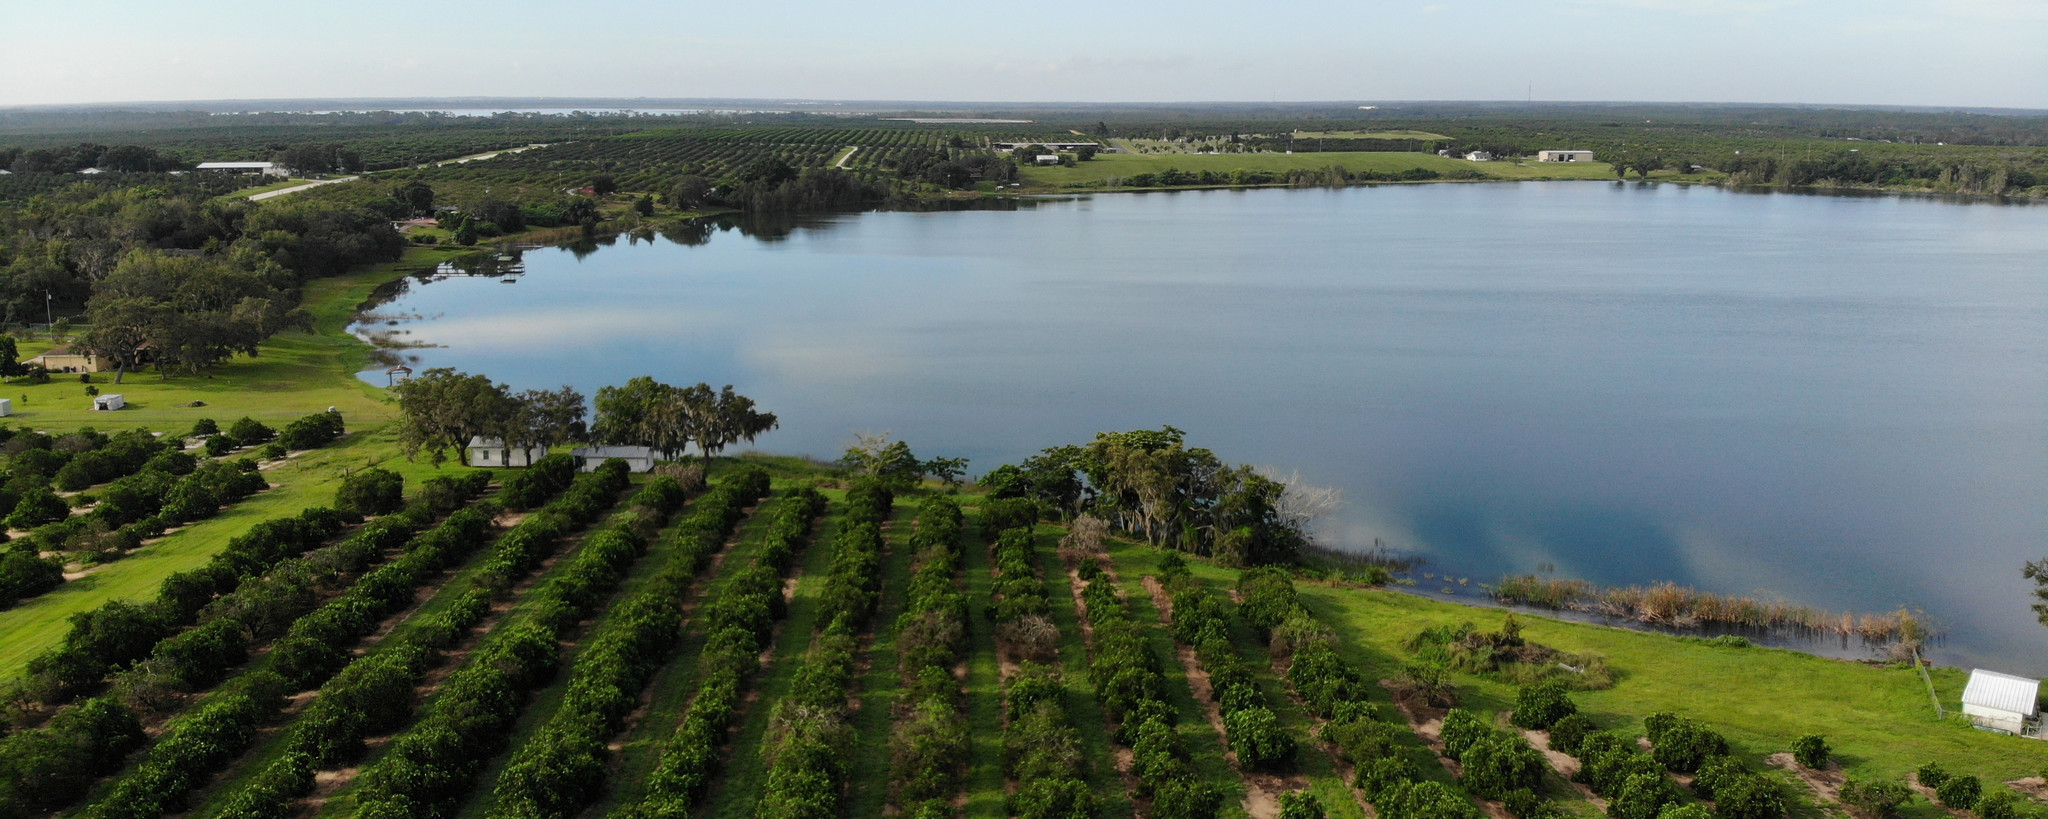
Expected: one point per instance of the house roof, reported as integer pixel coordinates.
(61, 349)
(2005, 692)
(228, 166)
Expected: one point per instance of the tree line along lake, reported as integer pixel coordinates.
(1840, 401)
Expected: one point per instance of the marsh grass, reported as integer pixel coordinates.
(1684, 607)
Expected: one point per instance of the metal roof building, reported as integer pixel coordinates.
(2001, 702)
(270, 168)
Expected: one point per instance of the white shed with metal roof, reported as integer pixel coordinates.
(2001, 702)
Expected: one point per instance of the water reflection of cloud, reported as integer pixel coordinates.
(532, 331)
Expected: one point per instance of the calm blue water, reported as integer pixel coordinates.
(1842, 401)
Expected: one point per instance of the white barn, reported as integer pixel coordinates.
(495, 453)
(2000, 702)
(259, 168)
(1564, 156)
(637, 458)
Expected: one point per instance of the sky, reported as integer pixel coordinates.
(1978, 53)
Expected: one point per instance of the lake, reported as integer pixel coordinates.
(1837, 400)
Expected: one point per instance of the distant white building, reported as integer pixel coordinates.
(1479, 156)
(1048, 159)
(259, 168)
(1057, 146)
(493, 452)
(1564, 156)
(93, 171)
(637, 458)
(109, 402)
(2001, 702)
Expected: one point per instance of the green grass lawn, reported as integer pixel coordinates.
(1099, 171)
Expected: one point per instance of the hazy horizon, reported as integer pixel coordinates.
(1814, 52)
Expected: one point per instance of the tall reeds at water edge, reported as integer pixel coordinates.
(1669, 604)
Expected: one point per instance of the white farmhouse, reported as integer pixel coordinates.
(1479, 156)
(2000, 702)
(1564, 156)
(494, 452)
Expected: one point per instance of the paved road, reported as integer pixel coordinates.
(258, 197)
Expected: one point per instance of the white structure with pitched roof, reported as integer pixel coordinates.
(2001, 702)
(494, 452)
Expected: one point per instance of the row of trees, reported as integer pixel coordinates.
(1201, 621)
(1335, 692)
(1130, 682)
(738, 618)
(173, 662)
(558, 773)
(1150, 483)
(811, 726)
(1041, 743)
(669, 419)
(444, 409)
(431, 764)
(75, 158)
(929, 741)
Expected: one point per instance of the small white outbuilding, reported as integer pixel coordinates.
(109, 402)
(637, 458)
(2000, 702)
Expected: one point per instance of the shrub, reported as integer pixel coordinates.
(1500, 764)
(1301, 805)
(1716, 773)
(1751, 796)
(1875, 798)
(1461, 730)
(271, 451)
(1811, 751)
(1684, 745)
(1568, 733)
(1642, 796)
(251, 431)
(38, 506)
(1424, 800)
(1693, 810)
(204, 427)
(1257, 737)
(1998, 804)
(1380, 776)
(311, 432)
(221, 444)
(371, 491)
(1539, 706)
(1932, 775)
(1960, 792)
